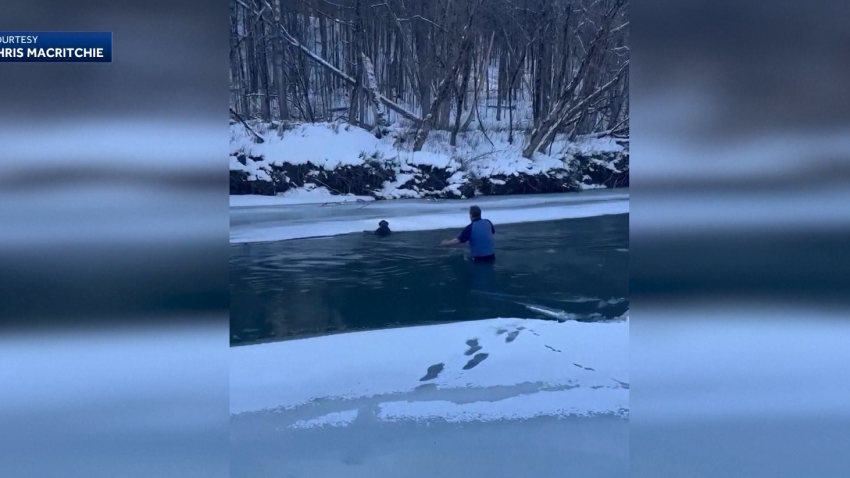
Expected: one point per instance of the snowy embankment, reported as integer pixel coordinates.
(347, 161)
(309, 194)
(265, 224)
(485, 370)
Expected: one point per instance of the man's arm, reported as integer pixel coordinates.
(492, 227)
(462, 238)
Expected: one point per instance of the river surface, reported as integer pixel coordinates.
(568, 269)
(400, 400)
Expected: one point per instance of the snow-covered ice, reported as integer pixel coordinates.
(335, 419)
(264, 224)
(558, 403)
(306, 195)
(562, 369)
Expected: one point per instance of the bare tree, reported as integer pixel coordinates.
(280, 79)
(374, 95)
(465, 42)
(566, 109)
(435, 65)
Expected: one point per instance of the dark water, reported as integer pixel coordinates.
(297, 288)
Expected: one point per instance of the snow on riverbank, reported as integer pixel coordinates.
(563, 369)
(327, 145)
(306, 195)
(310, 154)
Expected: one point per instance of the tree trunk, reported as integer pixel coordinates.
(265, 83)
(459, 105)
(368, 73)
(536, 99)
(251, 54)
(305, 80)
(514, 74)
(442, 93)
(354, 99)
(280, 79)
(323, 75)
(500, 83)
(237, 81)
(480, 79)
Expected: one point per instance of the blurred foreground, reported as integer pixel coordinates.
(740, 220)
(113, 246)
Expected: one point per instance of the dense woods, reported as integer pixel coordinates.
(536, 68)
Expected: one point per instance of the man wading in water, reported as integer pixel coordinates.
(479, 235)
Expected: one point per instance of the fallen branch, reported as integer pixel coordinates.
(326, 186)
(609, 132)
(259, 138)
(321, 61)
(563, 116)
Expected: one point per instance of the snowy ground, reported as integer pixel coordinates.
(469, 371)
(498, 397)
(306, 195)
(276, 218)
(334, 145)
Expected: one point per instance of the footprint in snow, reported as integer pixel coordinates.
(473, 346)
(474, 361)
(433, 372)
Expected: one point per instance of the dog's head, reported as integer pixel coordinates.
(383, 223)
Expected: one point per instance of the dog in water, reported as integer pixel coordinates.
(383, 229)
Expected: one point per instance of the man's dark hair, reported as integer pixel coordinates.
(475, 212)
